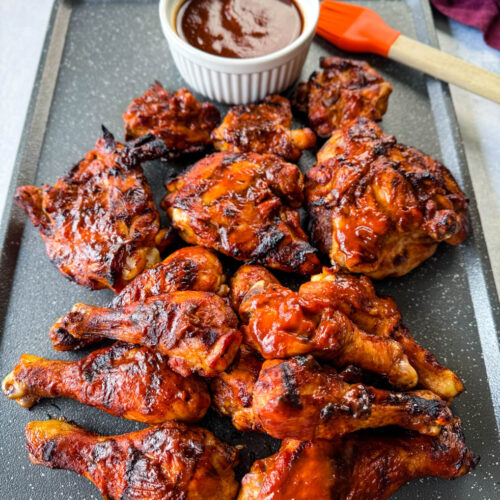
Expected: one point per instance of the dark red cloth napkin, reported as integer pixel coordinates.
(482, 14)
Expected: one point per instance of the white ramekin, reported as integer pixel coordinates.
(239, 81)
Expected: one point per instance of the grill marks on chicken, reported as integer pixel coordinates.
(166, 461)
(344, 90)
(196, 330)
(378, 207)
(263, 128)
(357, 467)
(183, 123)
(244, 206)
(125, 380)
(189, 268)
(99, 223)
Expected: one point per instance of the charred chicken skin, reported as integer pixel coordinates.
(344, 90)
(245, 206)
(198, 331)
(300, 399)
(378, 207)
(170, 460)
(232, 390)
(190, 268)
(280, 323)
(183, 123)
(99, 223)
(124, 380)
(357, 467)
(263, 128)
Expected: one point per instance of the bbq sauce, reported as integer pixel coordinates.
(239, 28)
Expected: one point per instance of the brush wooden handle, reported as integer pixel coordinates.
(445, 67)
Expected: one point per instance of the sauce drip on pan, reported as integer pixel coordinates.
(239, 28)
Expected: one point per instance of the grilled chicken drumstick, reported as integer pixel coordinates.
(99, 223)
(356, 297)
(232, 390)
(281, 323)
(338, 317)
(197, 330)
(378, 207)
(170, 460)
(263, 128)
(344, 90)
(245, 206)
(190, 268)
(357, 467)
(299, 398)
(124, 380)
(183, 123)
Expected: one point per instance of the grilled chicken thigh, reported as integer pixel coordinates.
(99, 223)
(189, 268)
(125, 380)
(183, 123)
(344, 90)
(357, 467)
(378, 207)
(245, 206)
(198, 331)
(263, 128)
(170, 460)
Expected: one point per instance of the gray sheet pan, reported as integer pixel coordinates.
(98, 56)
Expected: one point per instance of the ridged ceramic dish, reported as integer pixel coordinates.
(239, 81)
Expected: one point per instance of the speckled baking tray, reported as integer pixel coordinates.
(97, 57)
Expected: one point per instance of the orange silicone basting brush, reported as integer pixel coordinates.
(358, 29)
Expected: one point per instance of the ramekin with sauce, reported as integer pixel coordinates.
(237, 51)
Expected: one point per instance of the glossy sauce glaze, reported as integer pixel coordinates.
(239, 28)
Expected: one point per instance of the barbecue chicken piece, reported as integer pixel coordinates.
(245, 206)
(281, 323)
(170, 460)
(355, 296)
(298, 398)
(232, 390)
(344, 90)
(378, 207)
(183, 123)
(198, 331)
(190, 268)
(124, 380)
(263, 128)
(244, 278)
(99, 223)
(357, 467)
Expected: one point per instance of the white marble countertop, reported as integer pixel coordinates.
(23, 26)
